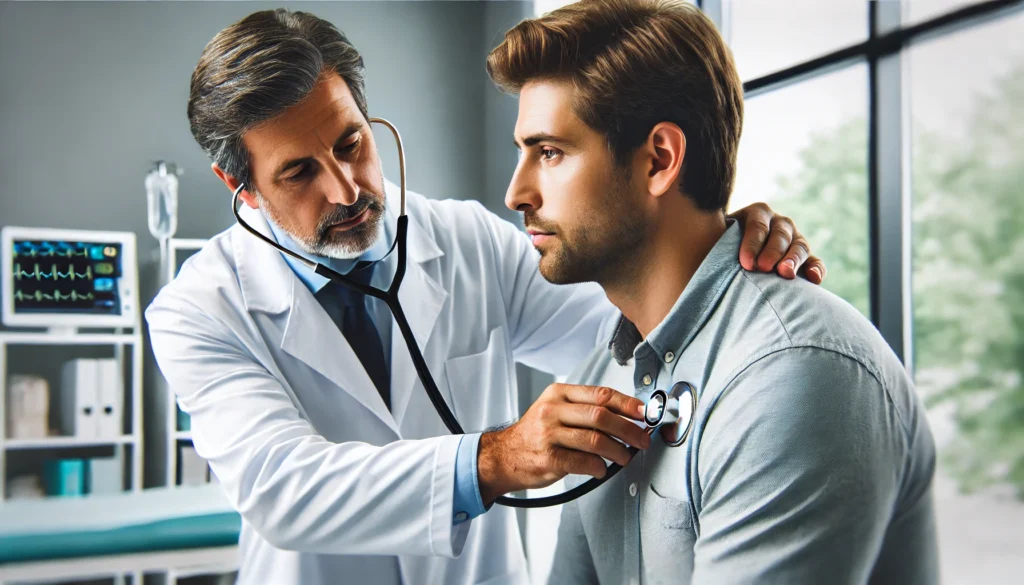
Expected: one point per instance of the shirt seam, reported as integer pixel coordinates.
(826, 347)
(779, 348)
(764, 297)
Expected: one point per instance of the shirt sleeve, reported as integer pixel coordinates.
(799, 467)
(467, 502)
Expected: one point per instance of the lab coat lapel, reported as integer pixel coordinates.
(269, 285)
(422, 299)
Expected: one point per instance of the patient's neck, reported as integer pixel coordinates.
(646, 290)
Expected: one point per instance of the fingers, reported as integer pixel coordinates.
(795, 257)
(779, 239)
(595, 443)
(614, 401)
(589, 417)
(814, 270)
(756, 221)
(579, 463)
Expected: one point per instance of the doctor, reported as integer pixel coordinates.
(304, 399)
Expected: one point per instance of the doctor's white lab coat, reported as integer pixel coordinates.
(332, 487)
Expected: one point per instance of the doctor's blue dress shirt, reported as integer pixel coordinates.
(467, 502)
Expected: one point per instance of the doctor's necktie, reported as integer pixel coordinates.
(347, 309)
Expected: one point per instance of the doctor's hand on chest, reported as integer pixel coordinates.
(568, 430)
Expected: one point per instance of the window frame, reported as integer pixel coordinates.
(889, 192)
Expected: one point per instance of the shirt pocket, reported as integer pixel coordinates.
(667, 512)
(667, 539)
(482, 386)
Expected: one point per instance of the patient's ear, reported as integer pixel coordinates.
(232, 184)
(664, 153)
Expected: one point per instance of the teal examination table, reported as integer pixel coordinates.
(153, 530)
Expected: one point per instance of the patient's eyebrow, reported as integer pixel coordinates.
(534, 139)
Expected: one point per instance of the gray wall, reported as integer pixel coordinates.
(92, 92)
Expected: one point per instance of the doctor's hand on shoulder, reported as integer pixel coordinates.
(772, 242)
(568, 430)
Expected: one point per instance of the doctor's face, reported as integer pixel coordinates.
(581, 209)
(317, 174)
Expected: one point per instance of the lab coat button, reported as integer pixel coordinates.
(632, 489)
(647, 380)
(669, 356)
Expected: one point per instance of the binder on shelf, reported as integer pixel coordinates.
(64, 477)
(25, 487)
(111, 398)
(28, 408)
(104, 475)
(79, 398)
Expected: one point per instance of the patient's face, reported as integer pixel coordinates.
(581, 209)
(317, 174)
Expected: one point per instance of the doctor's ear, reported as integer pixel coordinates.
(663, 153)
(232, 184)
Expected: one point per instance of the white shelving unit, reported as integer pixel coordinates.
(127, 349)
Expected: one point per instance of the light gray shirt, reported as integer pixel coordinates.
(809, 459)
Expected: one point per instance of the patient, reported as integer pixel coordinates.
(809, 459)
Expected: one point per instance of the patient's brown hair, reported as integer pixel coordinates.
(634, 64)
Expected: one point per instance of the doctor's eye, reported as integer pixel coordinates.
(351, 145)
(301, 174)
(548, 153)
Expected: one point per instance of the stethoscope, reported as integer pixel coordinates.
(670, 411)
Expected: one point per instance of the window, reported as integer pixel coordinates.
(966, 103)
(768, 36)
(804, 152)
(915, 11)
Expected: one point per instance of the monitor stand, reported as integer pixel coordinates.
(63, 331)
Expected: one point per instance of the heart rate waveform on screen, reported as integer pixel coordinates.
(66, 277)
(39, 296)
(39, 273)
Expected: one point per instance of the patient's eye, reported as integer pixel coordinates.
(549, 153)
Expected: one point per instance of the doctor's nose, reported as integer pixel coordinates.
(341, 188)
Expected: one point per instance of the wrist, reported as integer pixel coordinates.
(489, 469)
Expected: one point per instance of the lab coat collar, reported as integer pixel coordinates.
(269, 285)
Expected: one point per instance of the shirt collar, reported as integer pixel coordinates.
(313, 281)
(691, 309)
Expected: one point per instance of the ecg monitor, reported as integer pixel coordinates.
(69, 278)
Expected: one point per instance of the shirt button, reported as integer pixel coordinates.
(669, 356)
(647, 380)
(461, 517)
(632, 489)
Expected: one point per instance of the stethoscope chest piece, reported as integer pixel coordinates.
(672, 412)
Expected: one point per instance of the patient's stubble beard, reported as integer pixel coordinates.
(599, 245)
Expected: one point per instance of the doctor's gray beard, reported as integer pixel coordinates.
(344, 245)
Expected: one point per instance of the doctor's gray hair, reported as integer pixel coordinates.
(258, 67)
